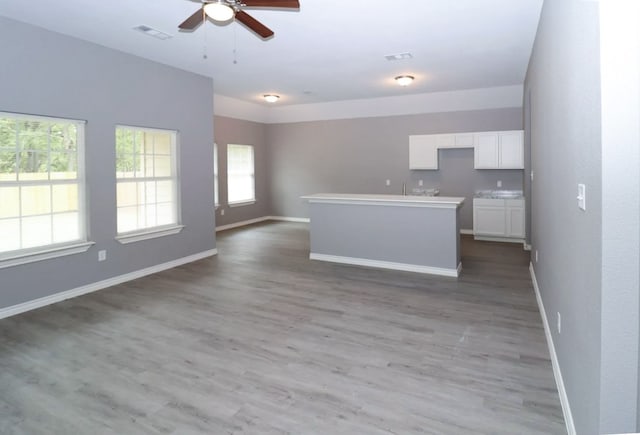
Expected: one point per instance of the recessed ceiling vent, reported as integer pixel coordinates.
(152, 32)
(399, 56)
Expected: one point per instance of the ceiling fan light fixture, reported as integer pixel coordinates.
(219, 11)
(271, 98)
(404, 80)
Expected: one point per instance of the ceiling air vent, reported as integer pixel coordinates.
(152, 32)
(399, 56)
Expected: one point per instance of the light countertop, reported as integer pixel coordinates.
(397, 200)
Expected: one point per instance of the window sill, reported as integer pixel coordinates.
(149, 234)
(242, 203)
(46, 253)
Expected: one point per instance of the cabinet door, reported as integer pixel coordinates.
(423, 152)
(515, 221)
(489, 221)
(485, 155)
(511, 150)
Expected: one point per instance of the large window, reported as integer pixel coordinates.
(216, 200)
(41, 184)
(240, 174)
(147, 182)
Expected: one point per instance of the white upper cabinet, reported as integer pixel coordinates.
(499, 150)
(486, 151)
(423, 151)
(511, 150)
(492, 149)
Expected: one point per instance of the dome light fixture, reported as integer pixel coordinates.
(271, 98)
(219, 11)
(404, 80)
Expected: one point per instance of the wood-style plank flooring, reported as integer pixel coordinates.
(261, 340)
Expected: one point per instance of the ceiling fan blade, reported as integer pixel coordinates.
(294, 4)
(193, 21)
(253, 24)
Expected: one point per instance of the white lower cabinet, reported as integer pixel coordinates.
(515, 218)
(498, 218)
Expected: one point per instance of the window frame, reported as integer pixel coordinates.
(242, 202)
(54, 250)
(216, 178)
(147, 233)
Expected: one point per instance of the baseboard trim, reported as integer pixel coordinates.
(289, 219)
(562, 392)
(387, 265)
(242, 223)
(470, 232)
(89, 288)
(498, 239)
(261, 219)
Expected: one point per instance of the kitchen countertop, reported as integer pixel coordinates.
(499, 194)
(398, 200)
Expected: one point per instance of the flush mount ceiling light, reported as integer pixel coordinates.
(404, 80)
(271, 98)
(219, 11)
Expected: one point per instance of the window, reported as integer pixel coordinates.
(146, 174)
(41, 187)
(240, 174)
(216, 200)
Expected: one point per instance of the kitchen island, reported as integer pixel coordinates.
(411, 233)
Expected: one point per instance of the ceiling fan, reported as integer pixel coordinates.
(224, 10)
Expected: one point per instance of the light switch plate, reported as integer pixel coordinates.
(582, 199)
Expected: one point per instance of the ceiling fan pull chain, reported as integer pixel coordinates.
(204, 48)
(235, 45)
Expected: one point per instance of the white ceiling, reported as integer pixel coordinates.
(328, 50)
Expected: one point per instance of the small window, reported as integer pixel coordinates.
(216, 200)
(147, 181)
(42, 206)
(240, 174)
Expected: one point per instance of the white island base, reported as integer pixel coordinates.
(411, 233)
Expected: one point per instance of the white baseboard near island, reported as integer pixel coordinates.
(562, 392)
(388, 265)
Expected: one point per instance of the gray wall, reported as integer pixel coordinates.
(46, 73)
(358, 155)
(583, 269)
(238, 131)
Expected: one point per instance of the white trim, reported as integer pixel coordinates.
(241, 203)
(562, 392)
(387, 265)
(498, 239)
(463, 231)
(89, 288)
(527, 247)
(242, 223)
(289, 219)
(149, 234)
(45, 254)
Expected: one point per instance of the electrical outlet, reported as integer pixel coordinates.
(582, 197)
(222, 212)
(102, 255)
(559, 323)
(499, 183)
(388, 182)
(536, 255)
(420, 182)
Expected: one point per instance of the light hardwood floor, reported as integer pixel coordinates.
(261, 340)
